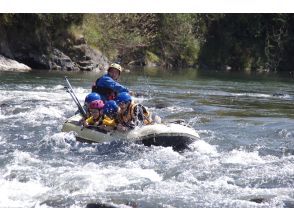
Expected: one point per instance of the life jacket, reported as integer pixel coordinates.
(128, 117)
(96, 122)
(108, 93)
(108, 121)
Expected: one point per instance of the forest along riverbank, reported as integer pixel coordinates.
(245, 157)
(88, 42)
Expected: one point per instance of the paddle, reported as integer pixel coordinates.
(72, 94)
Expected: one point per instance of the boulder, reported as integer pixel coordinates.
(88, 58)
(7, 64)
(60, 61)
(39, 53)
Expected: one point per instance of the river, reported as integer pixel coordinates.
(244, 158)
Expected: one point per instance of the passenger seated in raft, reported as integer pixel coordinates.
(90, 98)
(96, 117)
(104, 116)
(132, 114)
(110, 116)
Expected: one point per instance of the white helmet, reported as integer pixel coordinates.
(115, 66)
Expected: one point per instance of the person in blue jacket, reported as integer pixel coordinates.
(107, 85)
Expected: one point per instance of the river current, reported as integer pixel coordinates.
(244, 158)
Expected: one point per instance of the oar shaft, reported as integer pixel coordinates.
(72, 94)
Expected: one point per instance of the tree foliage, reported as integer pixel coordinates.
(253, 42)
(250, 42)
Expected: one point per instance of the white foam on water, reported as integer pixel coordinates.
(274, 170)
(157, 175)
(87, 149)
(286, 96)
(42, 94)
(139, 99)
(257, 95)
(158, 158)
(20, 184)
(53, 112)
(194, 120)
(240, 94)
(58, 87)
(19, 194)
(222, 192)
(61, 141)
(285, 133)
(177, 109)
(24, 158)
(81, 93)
(42, 102)
(28, 95)
(242, 157)
(40, 88)
(3, 97)
(36, 116)
(260, 175)
(91, 178)
(204, 148)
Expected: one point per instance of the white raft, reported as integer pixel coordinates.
(174, 135)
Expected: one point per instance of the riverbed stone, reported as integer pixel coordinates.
(60, 61)
(7, 64)
(88, 58)
(69, 54)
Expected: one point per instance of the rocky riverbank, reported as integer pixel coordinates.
(30, 41)
(7, 64)
(74, 57)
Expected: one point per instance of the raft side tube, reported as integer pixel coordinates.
(176, 136)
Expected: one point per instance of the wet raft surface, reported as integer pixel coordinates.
(178, 136)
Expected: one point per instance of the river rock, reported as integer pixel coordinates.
(7, 64)
(87, 58)
(60, 61)
(37, 52)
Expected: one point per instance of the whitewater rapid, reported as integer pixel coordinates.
(241, 160)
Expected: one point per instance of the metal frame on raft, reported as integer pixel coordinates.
(74, 97)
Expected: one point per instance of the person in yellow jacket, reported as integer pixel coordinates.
(103, 116)
(132, 114)
(110, 113)
(96, 114)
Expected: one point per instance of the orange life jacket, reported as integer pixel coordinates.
(129, 116)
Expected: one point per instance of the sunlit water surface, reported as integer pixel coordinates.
(245, 157)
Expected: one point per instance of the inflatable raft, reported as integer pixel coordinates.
(173, 135)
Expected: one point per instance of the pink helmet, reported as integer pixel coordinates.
(97, 104)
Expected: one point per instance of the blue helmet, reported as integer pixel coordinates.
(92, 97)
(110, 108)
(123, 97)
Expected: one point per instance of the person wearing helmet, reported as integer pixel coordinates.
(131, 114)
(111, 109)
(110, 115)
(96, 112)
(90, 98)
(107, 85)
